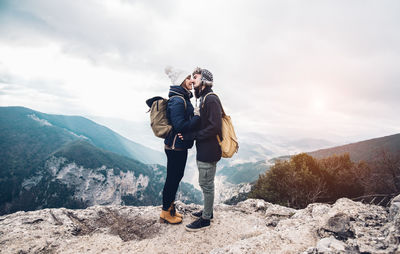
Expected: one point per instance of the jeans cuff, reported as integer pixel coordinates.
(204, 217)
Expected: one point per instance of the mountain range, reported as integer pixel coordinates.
(234, 182)
(55, 160)
(367, 150)
(70, 161)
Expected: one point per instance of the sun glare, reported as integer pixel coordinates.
(318, 105)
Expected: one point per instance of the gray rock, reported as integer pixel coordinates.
(339, 225)
(330, 245)
(394, 207)
(252, 226)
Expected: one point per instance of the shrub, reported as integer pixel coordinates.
(303, 180)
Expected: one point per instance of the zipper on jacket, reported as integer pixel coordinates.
(173, 143)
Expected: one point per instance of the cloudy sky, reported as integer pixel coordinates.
(322, 69)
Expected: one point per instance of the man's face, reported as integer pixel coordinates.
(196, 80)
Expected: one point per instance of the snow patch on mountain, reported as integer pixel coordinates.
(28, 183)
(42, 122)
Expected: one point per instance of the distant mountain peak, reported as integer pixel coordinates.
(367, 150)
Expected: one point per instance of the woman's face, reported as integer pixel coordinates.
(188, 84)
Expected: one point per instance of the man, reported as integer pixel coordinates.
(207, 146)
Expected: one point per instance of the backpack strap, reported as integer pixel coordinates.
(184, 101)
(222, 108)
(204, 99)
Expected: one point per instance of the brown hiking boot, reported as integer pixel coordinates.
(174, 212)
(166, 217)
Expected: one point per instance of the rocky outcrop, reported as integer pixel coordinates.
(99, 185)
(252, 226)
(67, 183)
(228, 193)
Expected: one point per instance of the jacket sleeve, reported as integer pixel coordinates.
(214, 120)
(177, 116)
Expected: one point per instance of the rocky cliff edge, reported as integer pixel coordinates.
(252, 226)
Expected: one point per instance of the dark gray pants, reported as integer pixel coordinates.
(206, 182)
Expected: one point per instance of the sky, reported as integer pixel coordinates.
(320, 69)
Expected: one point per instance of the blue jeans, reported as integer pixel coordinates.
(206, 182)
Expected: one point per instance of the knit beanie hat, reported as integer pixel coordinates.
(206, 75)
(177, 76)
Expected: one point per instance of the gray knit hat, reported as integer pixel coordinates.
(206, 76)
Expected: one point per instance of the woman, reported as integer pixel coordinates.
(180, 114)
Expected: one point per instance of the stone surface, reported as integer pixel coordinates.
(330, 244)
(394, 206)
(251, 226)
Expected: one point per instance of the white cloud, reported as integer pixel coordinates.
(324, 68)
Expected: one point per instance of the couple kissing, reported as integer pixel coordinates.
(200, 125)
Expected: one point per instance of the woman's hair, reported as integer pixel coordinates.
(197, 71)
(188, 76)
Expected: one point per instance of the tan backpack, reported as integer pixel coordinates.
(229, 144)
(158, 115)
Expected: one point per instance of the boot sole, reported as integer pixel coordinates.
(197, 229)
(161, 220)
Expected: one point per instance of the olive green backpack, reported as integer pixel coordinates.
(158, 115)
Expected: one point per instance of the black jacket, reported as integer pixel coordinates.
(208, 149)
(182, 121)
